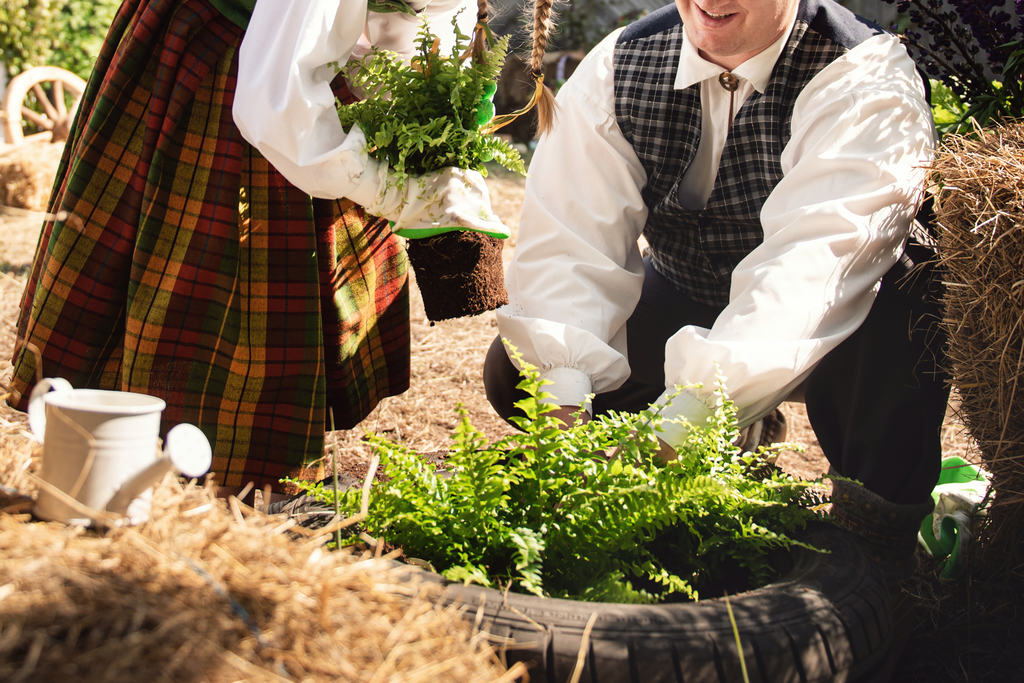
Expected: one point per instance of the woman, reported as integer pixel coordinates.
(180, 262)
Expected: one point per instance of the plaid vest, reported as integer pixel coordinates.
(698, 250)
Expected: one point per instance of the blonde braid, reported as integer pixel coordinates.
(480, 33)
(543, 99)
(543, 22)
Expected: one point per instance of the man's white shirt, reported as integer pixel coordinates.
(862, 137)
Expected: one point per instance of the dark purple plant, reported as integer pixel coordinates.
(967, 44)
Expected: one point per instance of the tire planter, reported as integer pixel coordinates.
(828, 619)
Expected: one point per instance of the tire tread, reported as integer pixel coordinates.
(828, 620)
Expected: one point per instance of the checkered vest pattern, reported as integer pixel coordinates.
(698, 250)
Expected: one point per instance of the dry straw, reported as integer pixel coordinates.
(980, 213)
(26, 174)
(211, 591)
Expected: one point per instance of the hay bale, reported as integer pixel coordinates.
(216, 592)
(980, 213)
(26, 174)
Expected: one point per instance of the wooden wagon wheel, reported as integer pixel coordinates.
(40, 103)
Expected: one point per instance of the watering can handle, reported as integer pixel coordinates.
(37, 406)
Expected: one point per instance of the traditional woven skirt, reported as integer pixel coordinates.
(179, 263)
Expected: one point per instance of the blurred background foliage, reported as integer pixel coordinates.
(974, 52)
(972, 49)
(64, 33)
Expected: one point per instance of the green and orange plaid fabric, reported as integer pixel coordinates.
(179, 263)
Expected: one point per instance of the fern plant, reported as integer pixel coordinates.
(433, 112)
(587, 512)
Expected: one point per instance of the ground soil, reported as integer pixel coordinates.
(967, 631)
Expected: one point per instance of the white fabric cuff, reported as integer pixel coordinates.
(684, 406)
(394, 32)
(569, 387)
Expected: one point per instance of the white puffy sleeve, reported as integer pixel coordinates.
(284, 105)
(577, 273)
(854, 173)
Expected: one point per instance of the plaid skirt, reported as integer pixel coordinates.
(179, 263)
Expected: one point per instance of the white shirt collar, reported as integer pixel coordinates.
(757, 70)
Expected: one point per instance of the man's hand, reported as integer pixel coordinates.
(665, 453)
(566, 415)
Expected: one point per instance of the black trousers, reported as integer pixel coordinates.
(876, 402)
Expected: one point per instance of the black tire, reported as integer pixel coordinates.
(828, 619)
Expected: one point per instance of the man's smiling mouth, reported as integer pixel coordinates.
(715, 16)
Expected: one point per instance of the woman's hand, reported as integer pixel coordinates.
(442, 201)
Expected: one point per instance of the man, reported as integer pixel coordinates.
(772, 155)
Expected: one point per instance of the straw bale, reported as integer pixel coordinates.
(209, 591)
(27, 172)
(980, 214)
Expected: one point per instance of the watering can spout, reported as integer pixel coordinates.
(187, 451)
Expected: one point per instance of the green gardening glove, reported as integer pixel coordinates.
(389, 6)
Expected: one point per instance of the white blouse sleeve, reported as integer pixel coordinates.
(284, 105)
(576, 273)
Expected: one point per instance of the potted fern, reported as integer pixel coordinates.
(430, 114)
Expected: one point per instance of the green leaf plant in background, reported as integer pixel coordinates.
(432, 113)
(948, 110)
(973, 49)
(589, 512)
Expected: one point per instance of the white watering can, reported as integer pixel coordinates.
(101, 452)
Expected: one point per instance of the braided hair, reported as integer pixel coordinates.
(543, 99)
(543, 22)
